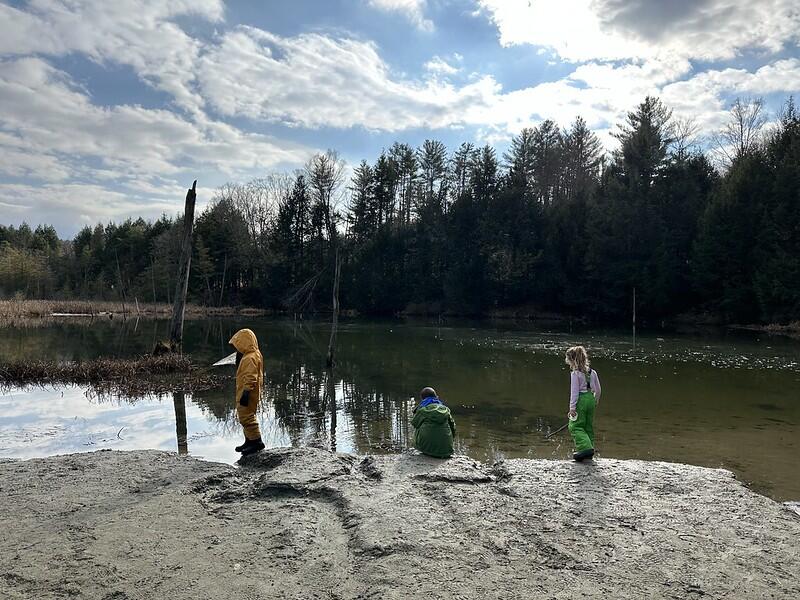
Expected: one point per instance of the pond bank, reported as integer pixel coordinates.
(33, 312)
(306, 523)
(128, 377)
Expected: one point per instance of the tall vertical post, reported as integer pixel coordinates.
(182, 286)
(179, 400)
(330, 390)
(332, 342)
(634, 318)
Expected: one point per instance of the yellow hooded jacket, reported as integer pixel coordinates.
(249, 376)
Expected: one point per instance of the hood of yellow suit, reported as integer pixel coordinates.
(244, 341)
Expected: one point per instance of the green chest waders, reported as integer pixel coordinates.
(582, 428)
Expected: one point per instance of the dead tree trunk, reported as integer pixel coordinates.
(153, 277)
(330, 390)
(121, 286)
(332, 343)
(224, 271)
(184, 267)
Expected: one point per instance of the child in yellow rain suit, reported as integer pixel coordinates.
(249, 380)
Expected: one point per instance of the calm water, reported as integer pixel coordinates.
(715, 400)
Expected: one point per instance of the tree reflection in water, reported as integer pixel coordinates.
(505, 386)
(179, 399)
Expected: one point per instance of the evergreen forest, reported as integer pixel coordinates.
(698, 226)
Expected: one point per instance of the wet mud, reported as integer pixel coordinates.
(306, 523)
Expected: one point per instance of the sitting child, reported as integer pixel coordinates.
(434, 428)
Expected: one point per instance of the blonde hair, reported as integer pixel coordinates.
(578, 359)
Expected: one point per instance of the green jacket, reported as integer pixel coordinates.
(434, 430)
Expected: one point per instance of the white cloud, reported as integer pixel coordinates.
(101, 202)
(136, 33)
(313, 80)
(43, 111)
(42, 107)
(570, 27)
(19, 161)
(440, 66)
(584, 30)
(703, 96)
(708, 30)
(51, 131)
(631, 48)
(414, 10)
(111, 159)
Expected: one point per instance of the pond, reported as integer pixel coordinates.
(718, 400)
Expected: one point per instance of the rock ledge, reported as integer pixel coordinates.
(305, 523)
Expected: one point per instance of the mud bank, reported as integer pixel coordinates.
(128, 377)
(311, 524)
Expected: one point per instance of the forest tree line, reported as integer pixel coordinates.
(555, 224)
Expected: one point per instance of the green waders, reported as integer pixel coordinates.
(582, 429)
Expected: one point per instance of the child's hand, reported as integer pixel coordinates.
(573, 414)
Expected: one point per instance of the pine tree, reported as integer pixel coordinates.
(777, 276)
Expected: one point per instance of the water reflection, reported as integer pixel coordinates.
(179, 400)
(714, 401)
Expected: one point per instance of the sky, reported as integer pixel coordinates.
(109, 110)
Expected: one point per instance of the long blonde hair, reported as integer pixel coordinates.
(578, 359)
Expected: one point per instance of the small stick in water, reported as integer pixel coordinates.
(559, 430)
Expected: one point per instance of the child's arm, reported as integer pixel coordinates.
(574, 387)
(248, 370)
(596, 387)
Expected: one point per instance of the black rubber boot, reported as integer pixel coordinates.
(242, 447)
(583, 455)
(252, 446)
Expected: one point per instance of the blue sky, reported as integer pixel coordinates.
(111, 109)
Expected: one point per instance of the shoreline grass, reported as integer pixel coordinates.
(22, 311)
(132, 377)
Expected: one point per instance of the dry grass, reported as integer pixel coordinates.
(790, 329)
(135, 377)
(23, 312)
(793, 327)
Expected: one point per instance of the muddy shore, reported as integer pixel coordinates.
(307, 523)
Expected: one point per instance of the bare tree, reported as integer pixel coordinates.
(257, 202)
(325, 174)
(684, 133)
(264, 196)
(743, 131)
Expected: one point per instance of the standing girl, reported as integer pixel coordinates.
(584, 394)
